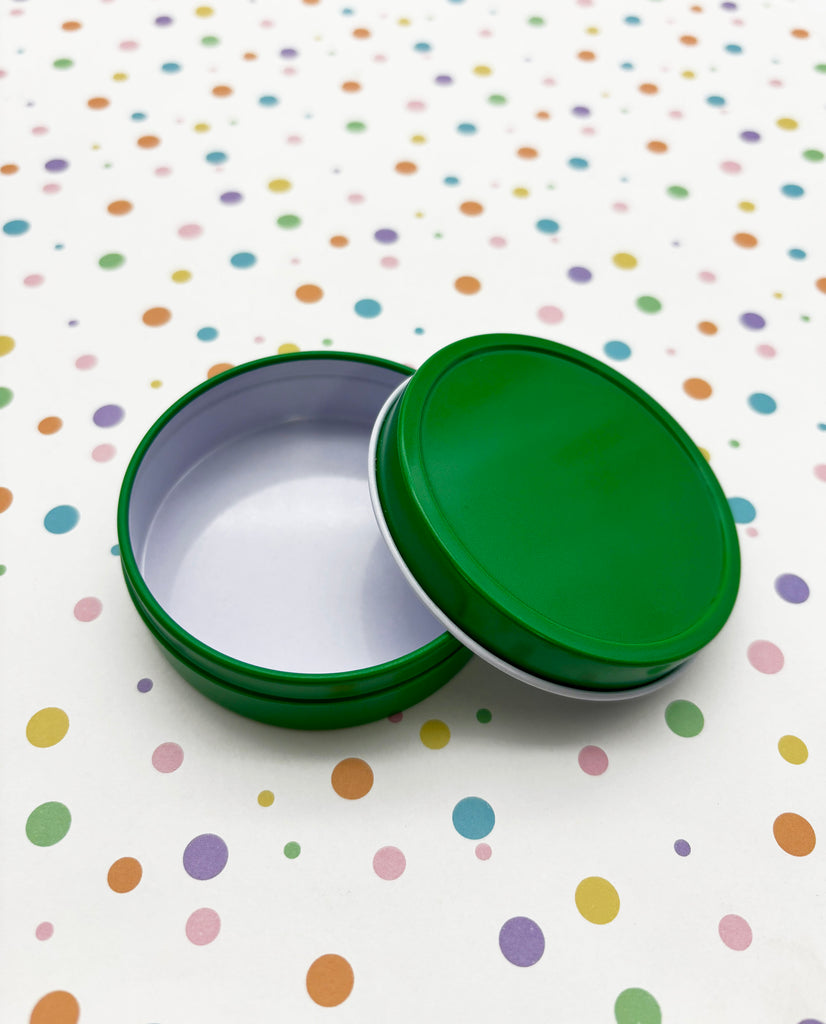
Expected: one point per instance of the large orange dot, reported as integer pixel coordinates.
(745, 240)
(308, 293)
(471, 208)
(543, 115)
(119, 207)
(124, 874)
(250, 55)
(794, 834)
(71, 26)
(655, 146)
(649, 88)
(222, 90)
(527, 153)
(706, 327)
(688, 40)
(587, 55)
(696, 387)
(157, 316)
(97, 103)
(800, 33)
(361, 33)
(467, 285)
(57, 1007)
(350, 86)
(149, 141)
(820, 284)
(406, 167)
(339, 241)
(352, 778)
(6, 498)
(329, 980)
(9, 169)
(50, 425)
(213, 371)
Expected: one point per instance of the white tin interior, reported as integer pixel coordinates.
(251, 522)
(562, 689)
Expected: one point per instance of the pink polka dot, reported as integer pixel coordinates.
(86, 362)
(707, 276)
(103, 452)
(45, 930)
(395, 718)
(88, 608)
(40, 129)
(389, 261)
(51, 189)
(416, 105)
(266, 23)
(258, 339)
(498, 242)
(190, 231)
(776, 82)
(355, 197)
(202, 926)
(168, 757)
(750, 531)
(765, 656)
(483, 851)
(549, 81)
(676, 114)
(735, 932)
(33, 280)
(128, 44)
(767, 351)
(730, 167)
(589, 130)
(620, 207)
(820, 471)
(389, 863)
(550, 314)
(164, 172)
(593, 760)
(294, 140)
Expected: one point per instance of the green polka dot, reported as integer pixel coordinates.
(677, 191)
(111, 261)
(2, 570)
(483, 716)
(48, 823)
(497, 100)
(292, 850)
(210, 41)
(356, 126)
(536, 21)
(815, 155)
(821, 68)
(636, 1006)
(288, 220)
(63, 63)
(684, 718)
(648, 304)
(6, 395)
(326, 341)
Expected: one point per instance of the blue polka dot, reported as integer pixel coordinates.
(114, 550)
(792, 191)
(547, 226)
(422, 47)
(451, 180)
(579, 163)
(268, 101)
(61, 519)
(466, 128)
(473, 817)
(797, 254)
(715, 101)
(138, 116)
(762, 403)
(368, 308)
(418, 330)
(242, 260)
(627, 65)
(742, 510)
(616, 349)
(733, 48)
(632, 19)
(171, 67)
(16, 227)
(216, 157)
(207, 334)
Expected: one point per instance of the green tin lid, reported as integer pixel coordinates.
(556, 518)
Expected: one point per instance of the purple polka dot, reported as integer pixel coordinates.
(753, 321)
(205, 856)
(231, 197)
(749, 136)
(108, 415)
(443, 80)
(144, 685)
(580, 111)
(580, 274)
(386, 235)
(55, 166)
(289, 53)
(682, 848)
(163, 20)
(792, 588)
(521, 941)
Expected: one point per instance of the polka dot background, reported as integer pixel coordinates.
(191, 187)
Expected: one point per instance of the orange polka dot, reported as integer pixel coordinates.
(310, 3)
(124, 874)
(361, 33)
(820, 284)
(222, 90)
(213, 371)
(339, 241)
(57, 1007)
(745, 240)
(467, 285)
(406, 167)
(706, 327)
(9, 169)
(329, 980)
(696, 387)
(471, 209)
(794, 834)
(308, 293)
(71, 26)
(119, 207)
(649, 88)
(543, 115)
(527, 153)
(250, 56)
(350, 86)
(688, 40)
(697, 9)
(352, 778)
(50, 425)
(97, 103)
(156, 317)
(800, 33)
(149, 141)
(6, 498)
(655, 146)
(587, 55)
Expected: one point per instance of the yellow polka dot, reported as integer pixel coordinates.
(156, 383)
(288, 346)
(597, 900)
(787, 123)
(204, 12)
(624, 260)
(521, 193)
(47, 727)
(181, 276)
(706, 454)
(746, 206)
(688, 74)
(202, 126)
(592, 30)
(120, 76)
(266, 798)
(792, 749)
(481, 69)
(404, 22)
(777, 295)
(418, 139)
(434, 734)
(279, 185)
(6, 344)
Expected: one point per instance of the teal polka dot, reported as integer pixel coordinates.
(579, 163)
(797, 254)
(547, 226)
(473, 817)
(16, 227)
(171, 67)
(742, 510)
(792, 191)
(762, 403)
(715, 101)
(616, 349)
(207, 334)
(451, 180)
(466, 128)
(368, 308)
(268, 101)
(61, 519)
(242, 260)
(216, 157)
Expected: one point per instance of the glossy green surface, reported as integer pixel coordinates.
(555, 513)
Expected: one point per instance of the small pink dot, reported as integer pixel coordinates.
(589, 130)
(765, 656)
(498, 242)
(45, 930)
(290, 71)
(550, 314)
(266, 23)
(88, 608)
(128, 44)
(190, 231)
(258, 339)
(389, 261)
(103, 452)
(820, 471)
(485, 33)
(51, 188)
(33, 280)
(17, 11)
(735, 932)
(483, 851)
(355, 197)
(620, 207)
(707, 276)
(203, 926)
(389, 863)
(593, 760)
(767, 351)
(380, 58)
(294, 140)
(163, 172)
(676, 114)
(776, 82)
(40, 129)
(397, 717)
(168, 757)
(549, 81)
(416, 105)
(750, 531)
(730, 167)
(86, 362)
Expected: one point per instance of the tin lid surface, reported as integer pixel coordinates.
(554, 514)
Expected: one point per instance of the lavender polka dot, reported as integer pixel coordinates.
(750, 136)
(163, 20)
(144, 685)
(56, 166)
(108, 416)
(580, 274)
(792, 588)
(753, 321)
(205, 856)
(288, 53)
(521, 941)
(682, 848)
(231, 197)
(580, 111)
(386, 236)
(443, 80)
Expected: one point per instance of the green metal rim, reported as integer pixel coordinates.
(269, 681)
